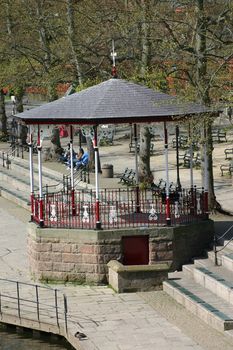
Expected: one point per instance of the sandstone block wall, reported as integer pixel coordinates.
(82, 255)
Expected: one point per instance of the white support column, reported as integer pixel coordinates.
(168, 211)
(136, 169)
(95, 145)
(30, 144)
(41, 197)
(72, 172)
(191, 165)
(136, 152)
(206, 180)
(71, 158)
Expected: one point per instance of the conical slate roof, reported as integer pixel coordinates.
(113, 101)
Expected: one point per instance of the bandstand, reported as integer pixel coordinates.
(75, 232)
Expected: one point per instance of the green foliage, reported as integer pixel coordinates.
(88, 83)
(155, 80)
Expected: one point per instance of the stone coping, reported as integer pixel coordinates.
(79, 234)
(157, 231)
(118, 267)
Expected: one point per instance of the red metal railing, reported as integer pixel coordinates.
(119, 208)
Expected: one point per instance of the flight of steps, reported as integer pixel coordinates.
(206, 290)
(15, 181)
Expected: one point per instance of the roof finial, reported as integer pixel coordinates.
(113, 54)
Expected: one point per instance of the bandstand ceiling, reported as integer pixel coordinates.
(111, 102)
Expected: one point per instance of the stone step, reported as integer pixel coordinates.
(15, 180)
(223, 256)
(213, 310)
(214, 278)
(15, 196)
(229, 245)
(22, 167)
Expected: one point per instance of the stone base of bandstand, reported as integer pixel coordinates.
(74, 255)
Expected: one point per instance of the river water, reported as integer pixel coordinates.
(10, 340)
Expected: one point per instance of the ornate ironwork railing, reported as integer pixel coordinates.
(119, 208)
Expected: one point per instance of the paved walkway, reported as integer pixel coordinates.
(142, 321)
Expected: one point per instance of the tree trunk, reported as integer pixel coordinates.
(145, 137)
(72, 39)
(19, 93)
(203, 93)
(3, 116)
(145, 174)
(56, 148)
(52, 92)
(91, 154)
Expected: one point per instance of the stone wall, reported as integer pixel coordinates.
(125, 279)
(82, 255)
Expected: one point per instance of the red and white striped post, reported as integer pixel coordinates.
(41, 197)
(136, 169)
(97, 203)
(168, 209)
(72, 172)
(30, 144)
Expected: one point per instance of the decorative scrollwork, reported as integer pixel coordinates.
(53, 216)
(177, 210)
(153, 214)
(85, 218)
(112, 215)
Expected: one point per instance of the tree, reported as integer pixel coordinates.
(201, 44)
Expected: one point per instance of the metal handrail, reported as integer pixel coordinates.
(66, 181)
(216, 239)
(56, 311)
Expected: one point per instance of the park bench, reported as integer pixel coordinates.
(128, 177)
(196, 159)
(219, 136)
(132, 147)
(182, 141)
(228, 153)
(226, 168)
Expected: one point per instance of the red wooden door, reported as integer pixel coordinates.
(135, 250)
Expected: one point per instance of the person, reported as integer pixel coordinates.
(82, 159)
(66, 154)
(64, 157)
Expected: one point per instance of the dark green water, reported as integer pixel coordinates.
(11, 340)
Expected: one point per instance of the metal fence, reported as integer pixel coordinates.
(119, 208)
(34, 303)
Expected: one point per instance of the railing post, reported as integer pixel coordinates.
(7, 161)
(215, 250)
(17, 154)
(65, 312)
(18, 299)
(0, 303)
(3, 159)
(56, 307)
(37, 304)
(88, 175)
